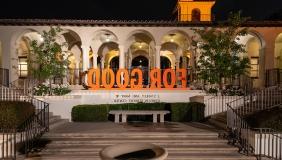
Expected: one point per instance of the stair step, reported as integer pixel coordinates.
(133, 135)
(145, 141)
(53, 119)
(58, 123)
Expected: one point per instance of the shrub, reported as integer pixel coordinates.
(185, 112)
(180, 112)
(12, 114)
(88, 113)
(56, 89)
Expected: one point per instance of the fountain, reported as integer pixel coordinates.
(133, 151)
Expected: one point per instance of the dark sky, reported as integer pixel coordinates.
(127, 9)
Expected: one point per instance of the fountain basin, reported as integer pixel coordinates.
(133, 151)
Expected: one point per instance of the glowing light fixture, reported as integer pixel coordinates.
(171, 35)
(107, 37)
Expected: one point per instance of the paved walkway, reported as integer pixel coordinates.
(110, 127)
(182, 141)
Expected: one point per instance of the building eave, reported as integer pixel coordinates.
(125, 23)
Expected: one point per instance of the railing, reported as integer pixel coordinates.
(258, 142)
(268, 143)
(28, 131)
(217, 104)
(260, 100)
(35, 126)
(4, 77)
(7, 144)
(25, 86)
(273, 77)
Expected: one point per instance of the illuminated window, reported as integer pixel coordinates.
(254, 67)
(22, 67)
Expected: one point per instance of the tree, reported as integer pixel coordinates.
(220, 53)
(48, 59)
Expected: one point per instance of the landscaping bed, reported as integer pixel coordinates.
(267, 119)
(179, 112)
(14, 113)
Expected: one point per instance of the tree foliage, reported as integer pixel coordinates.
(219, 52)
(48, 58)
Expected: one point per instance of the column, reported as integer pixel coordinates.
(116, 118)
(95, 63)
(76, 73)
(85, 57)
(158, 57)
(95, 57)
(121, 60)
(102, 63)
(155, 118)
(162, 118)
(124, 118)
(121, 57)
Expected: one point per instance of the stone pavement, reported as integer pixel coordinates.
(189, 141)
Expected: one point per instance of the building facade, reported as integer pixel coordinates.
(131, 44)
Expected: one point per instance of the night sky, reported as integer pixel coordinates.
(127, 9)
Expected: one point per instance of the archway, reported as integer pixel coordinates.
(176, 46)
(254, 51)
(23, 50)
(75, 75)
(140, 41)
(196, 15)
(165, 62)
(107, 52)
(143, 63)
(114, 63)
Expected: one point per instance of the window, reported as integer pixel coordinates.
(22, 67)
(196, 15)
(254, 67)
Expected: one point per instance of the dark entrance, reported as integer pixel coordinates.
(142, 63)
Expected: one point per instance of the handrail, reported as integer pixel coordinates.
(261, 142)
(25, 85)
(31, 129)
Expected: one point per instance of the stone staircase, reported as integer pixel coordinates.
(180, 146)
(219, 121)
(56, 121)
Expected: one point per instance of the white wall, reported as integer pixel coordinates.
(62, 105)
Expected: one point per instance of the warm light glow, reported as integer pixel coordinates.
(186, 7)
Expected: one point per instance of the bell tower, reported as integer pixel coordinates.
(194, 10)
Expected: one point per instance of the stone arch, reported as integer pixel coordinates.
(254, 45)
(105, 36)
(181, 35)
(196, 15)
(177, 42)
(137, 41)
(133, 37)
(106, 52)
(22, 50)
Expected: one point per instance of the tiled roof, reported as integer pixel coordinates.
(128, 23)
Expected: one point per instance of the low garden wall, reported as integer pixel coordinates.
(179, 112)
